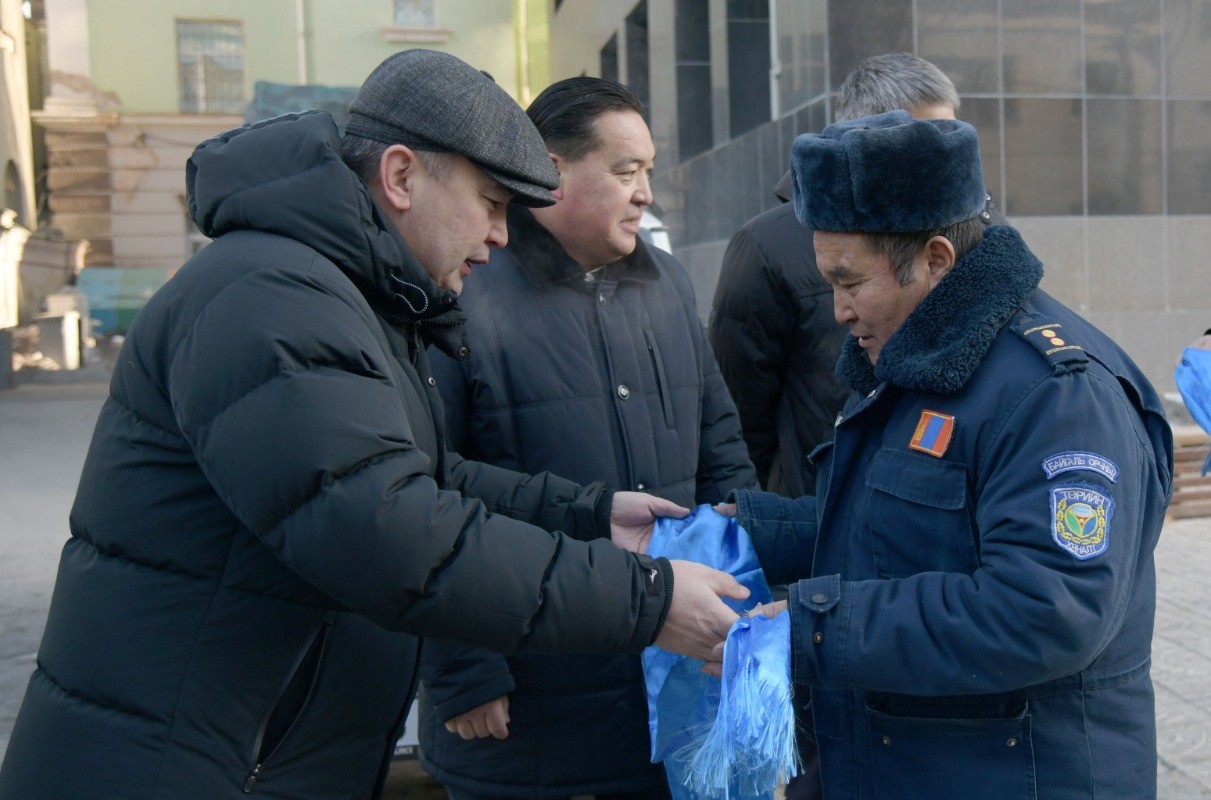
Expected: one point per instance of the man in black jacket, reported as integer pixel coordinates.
(588, 360)
(268, 515)
(772, 323)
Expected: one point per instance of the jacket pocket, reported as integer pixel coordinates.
(662, 382)
(289, 705)
(927, 758)
(917, 515)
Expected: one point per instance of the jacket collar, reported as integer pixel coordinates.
(945, 338)
(546, 263)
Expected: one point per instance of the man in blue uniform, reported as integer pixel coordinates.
(975, 597)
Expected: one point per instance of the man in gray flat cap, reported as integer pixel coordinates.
(268, 515)
(973, 594)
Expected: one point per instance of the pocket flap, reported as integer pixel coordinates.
(919, 478)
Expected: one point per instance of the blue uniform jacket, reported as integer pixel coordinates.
(978, 620)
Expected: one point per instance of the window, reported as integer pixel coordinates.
(210, 64)
(748, 64)
(637, 55)
(415, 21)
(416, 13)
(694, 134)
(609, 59)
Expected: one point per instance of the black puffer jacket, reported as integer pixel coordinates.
(777, 341)
(606, 380)
(263, 520)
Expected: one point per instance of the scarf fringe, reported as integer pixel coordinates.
(751, 746)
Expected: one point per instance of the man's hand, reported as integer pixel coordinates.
(726, 509)
(770, 610)
(1201, 343)
(632, 516)
(490, 719)
(714, 667)
(698, 620)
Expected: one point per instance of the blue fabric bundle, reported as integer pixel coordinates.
(1193, 378)
(733, 738)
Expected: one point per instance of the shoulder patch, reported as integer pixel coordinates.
(1062, 354)
(1080, 519)
(1071, 461)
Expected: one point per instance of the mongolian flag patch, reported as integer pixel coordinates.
(933, 433)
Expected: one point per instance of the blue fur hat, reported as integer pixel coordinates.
(888, 173)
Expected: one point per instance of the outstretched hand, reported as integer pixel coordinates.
(632, 516)
(698, 621)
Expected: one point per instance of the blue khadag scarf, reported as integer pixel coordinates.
(733, 738)
(1193, 378)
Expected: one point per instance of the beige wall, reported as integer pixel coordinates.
(15, 137)
(117, 144)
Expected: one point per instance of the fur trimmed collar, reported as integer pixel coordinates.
(946, 337)
(544, 261)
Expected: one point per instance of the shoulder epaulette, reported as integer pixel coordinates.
(1063, 354)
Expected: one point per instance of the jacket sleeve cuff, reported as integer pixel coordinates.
(605, 504)
(819, 619)
(662, 585)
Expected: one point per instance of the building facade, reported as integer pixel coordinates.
(133, 87)
(16, 146)
(1094, 120)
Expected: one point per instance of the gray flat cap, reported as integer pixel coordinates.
(433, 101)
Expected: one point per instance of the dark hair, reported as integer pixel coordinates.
(566, 113)
(363, 156)
(901, 249)
(893, 80)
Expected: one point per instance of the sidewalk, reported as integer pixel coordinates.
(1181, 660)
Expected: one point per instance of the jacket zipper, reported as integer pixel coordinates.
(260, 759)
(666, 401)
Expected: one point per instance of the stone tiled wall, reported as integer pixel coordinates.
(1095, 126)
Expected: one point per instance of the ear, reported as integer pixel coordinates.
(397, 173)
(940, 256)
(560, 164)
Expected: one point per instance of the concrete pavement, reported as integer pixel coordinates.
(44, 434)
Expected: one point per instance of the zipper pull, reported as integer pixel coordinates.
(252, 778)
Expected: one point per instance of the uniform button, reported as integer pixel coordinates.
(623, 391)
(641, 486)
(819, 598)
(1012, 743)
(601, 299)
(1058, 342)
(887, 741)
(817, 637)
(432, 381)
(463, 352)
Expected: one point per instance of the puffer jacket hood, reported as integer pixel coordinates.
(289, 179)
